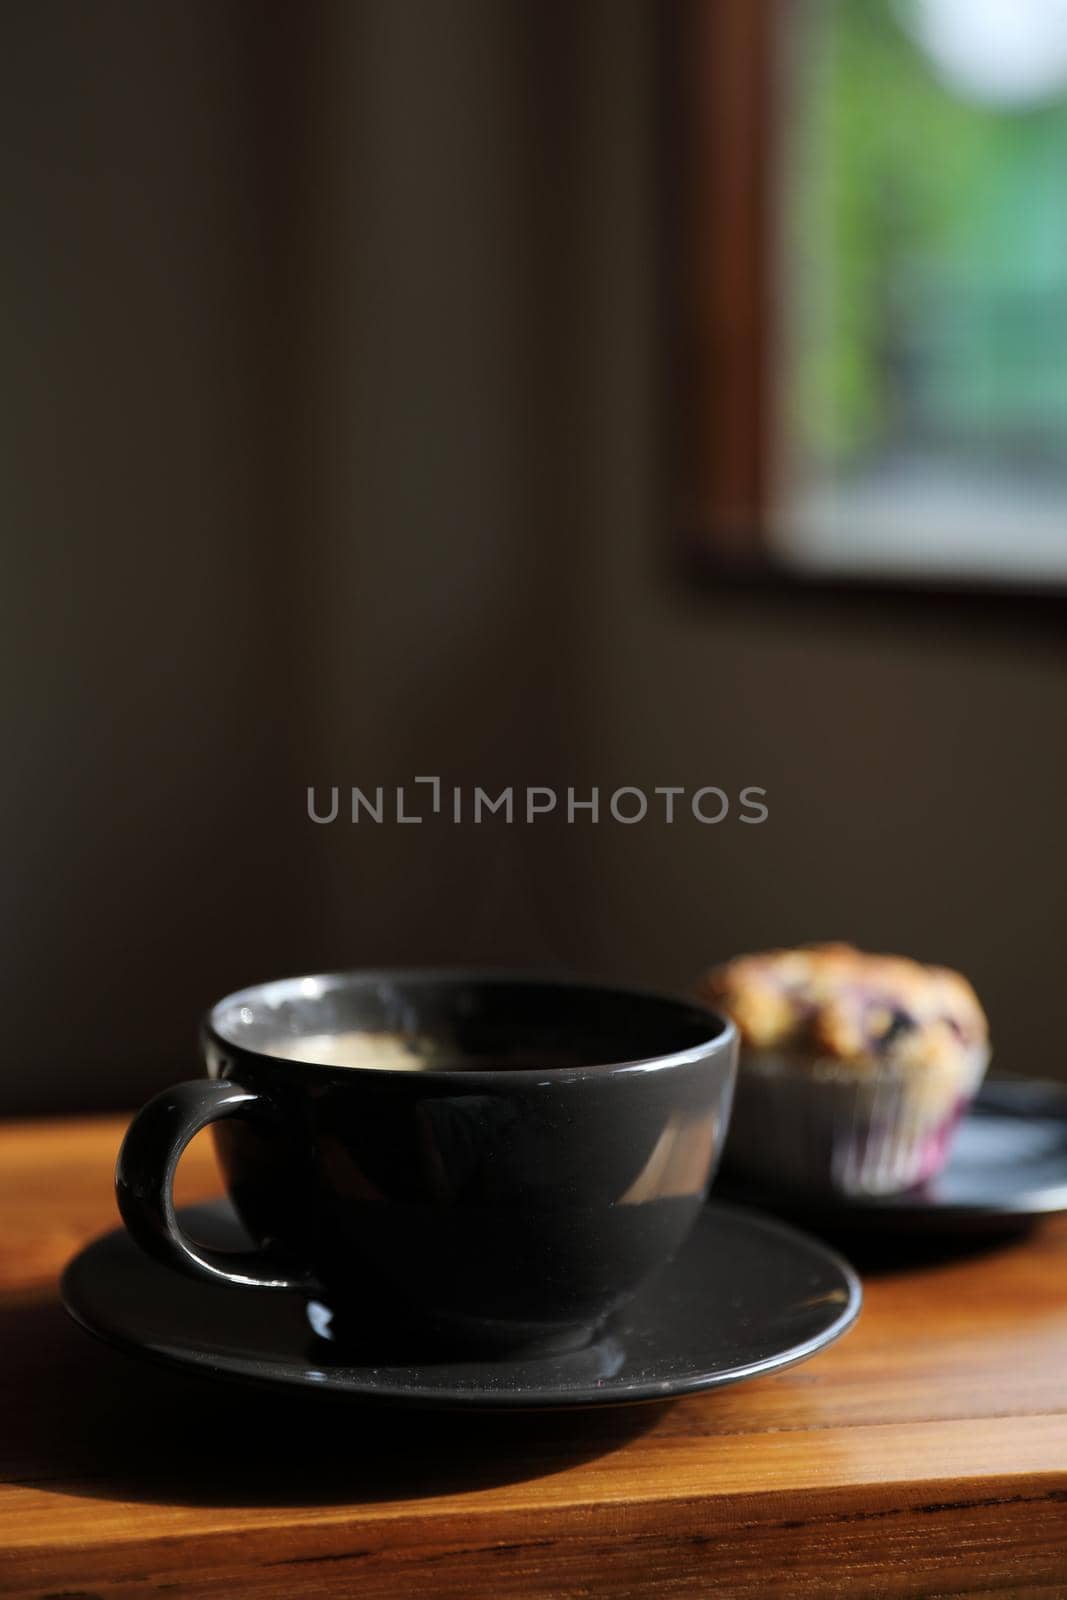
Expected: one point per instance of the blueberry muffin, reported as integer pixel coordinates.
(854, 1071)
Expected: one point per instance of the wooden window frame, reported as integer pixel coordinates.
(724, 87)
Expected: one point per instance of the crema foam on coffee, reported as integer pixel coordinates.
(353, 1047)
(396, 1052)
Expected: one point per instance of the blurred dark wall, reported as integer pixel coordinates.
(151, 676)
(334, 360)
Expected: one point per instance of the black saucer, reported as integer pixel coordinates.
(1008, 1167)
(745, 1295)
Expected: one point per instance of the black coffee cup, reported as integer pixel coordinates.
(500, 1166)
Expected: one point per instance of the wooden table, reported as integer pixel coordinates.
(926, 1454)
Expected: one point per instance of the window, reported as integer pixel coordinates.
(877, 286)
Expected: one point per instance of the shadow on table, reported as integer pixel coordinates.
(880, 1245)
(83, 1419)
(879, 1254)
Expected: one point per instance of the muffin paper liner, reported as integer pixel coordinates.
(824, 1128)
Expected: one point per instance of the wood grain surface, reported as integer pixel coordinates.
(923, 1455)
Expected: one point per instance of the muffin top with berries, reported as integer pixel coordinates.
(831, 1002)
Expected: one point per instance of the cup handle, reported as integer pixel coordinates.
(144, 1183)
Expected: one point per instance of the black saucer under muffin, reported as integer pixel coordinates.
(854, 1070)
